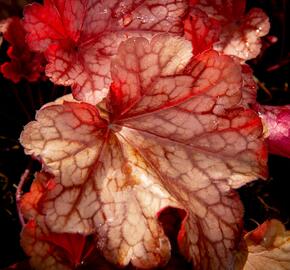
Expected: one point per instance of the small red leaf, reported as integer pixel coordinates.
(24, 63)
(54, 251)
(30, 202)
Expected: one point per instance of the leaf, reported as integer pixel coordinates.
(174, 136)
(268, 247)
(29, 203)
(240, 35)
(276, 121)
(24, 64)
(80, 37)
(43, 255)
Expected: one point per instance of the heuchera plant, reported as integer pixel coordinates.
(159, 120)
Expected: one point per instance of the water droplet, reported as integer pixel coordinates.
(144, 19)
(214, 124)
(259, 30)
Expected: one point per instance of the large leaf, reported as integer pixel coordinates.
(240, 35)
(79, 37)
(174, 136)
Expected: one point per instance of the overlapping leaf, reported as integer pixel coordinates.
(174, 136)
(240, 35)
(79, 37)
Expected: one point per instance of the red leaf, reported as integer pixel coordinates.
(24, 63)
(54, 251)
(175, 136)
(79, 37)
(30, 202)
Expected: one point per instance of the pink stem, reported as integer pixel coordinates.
(23, 180)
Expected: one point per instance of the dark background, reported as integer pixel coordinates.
(18, 102)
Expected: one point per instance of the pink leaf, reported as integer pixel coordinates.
(79, 37)
(174, 136)
(240, 35)
(276, 120)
